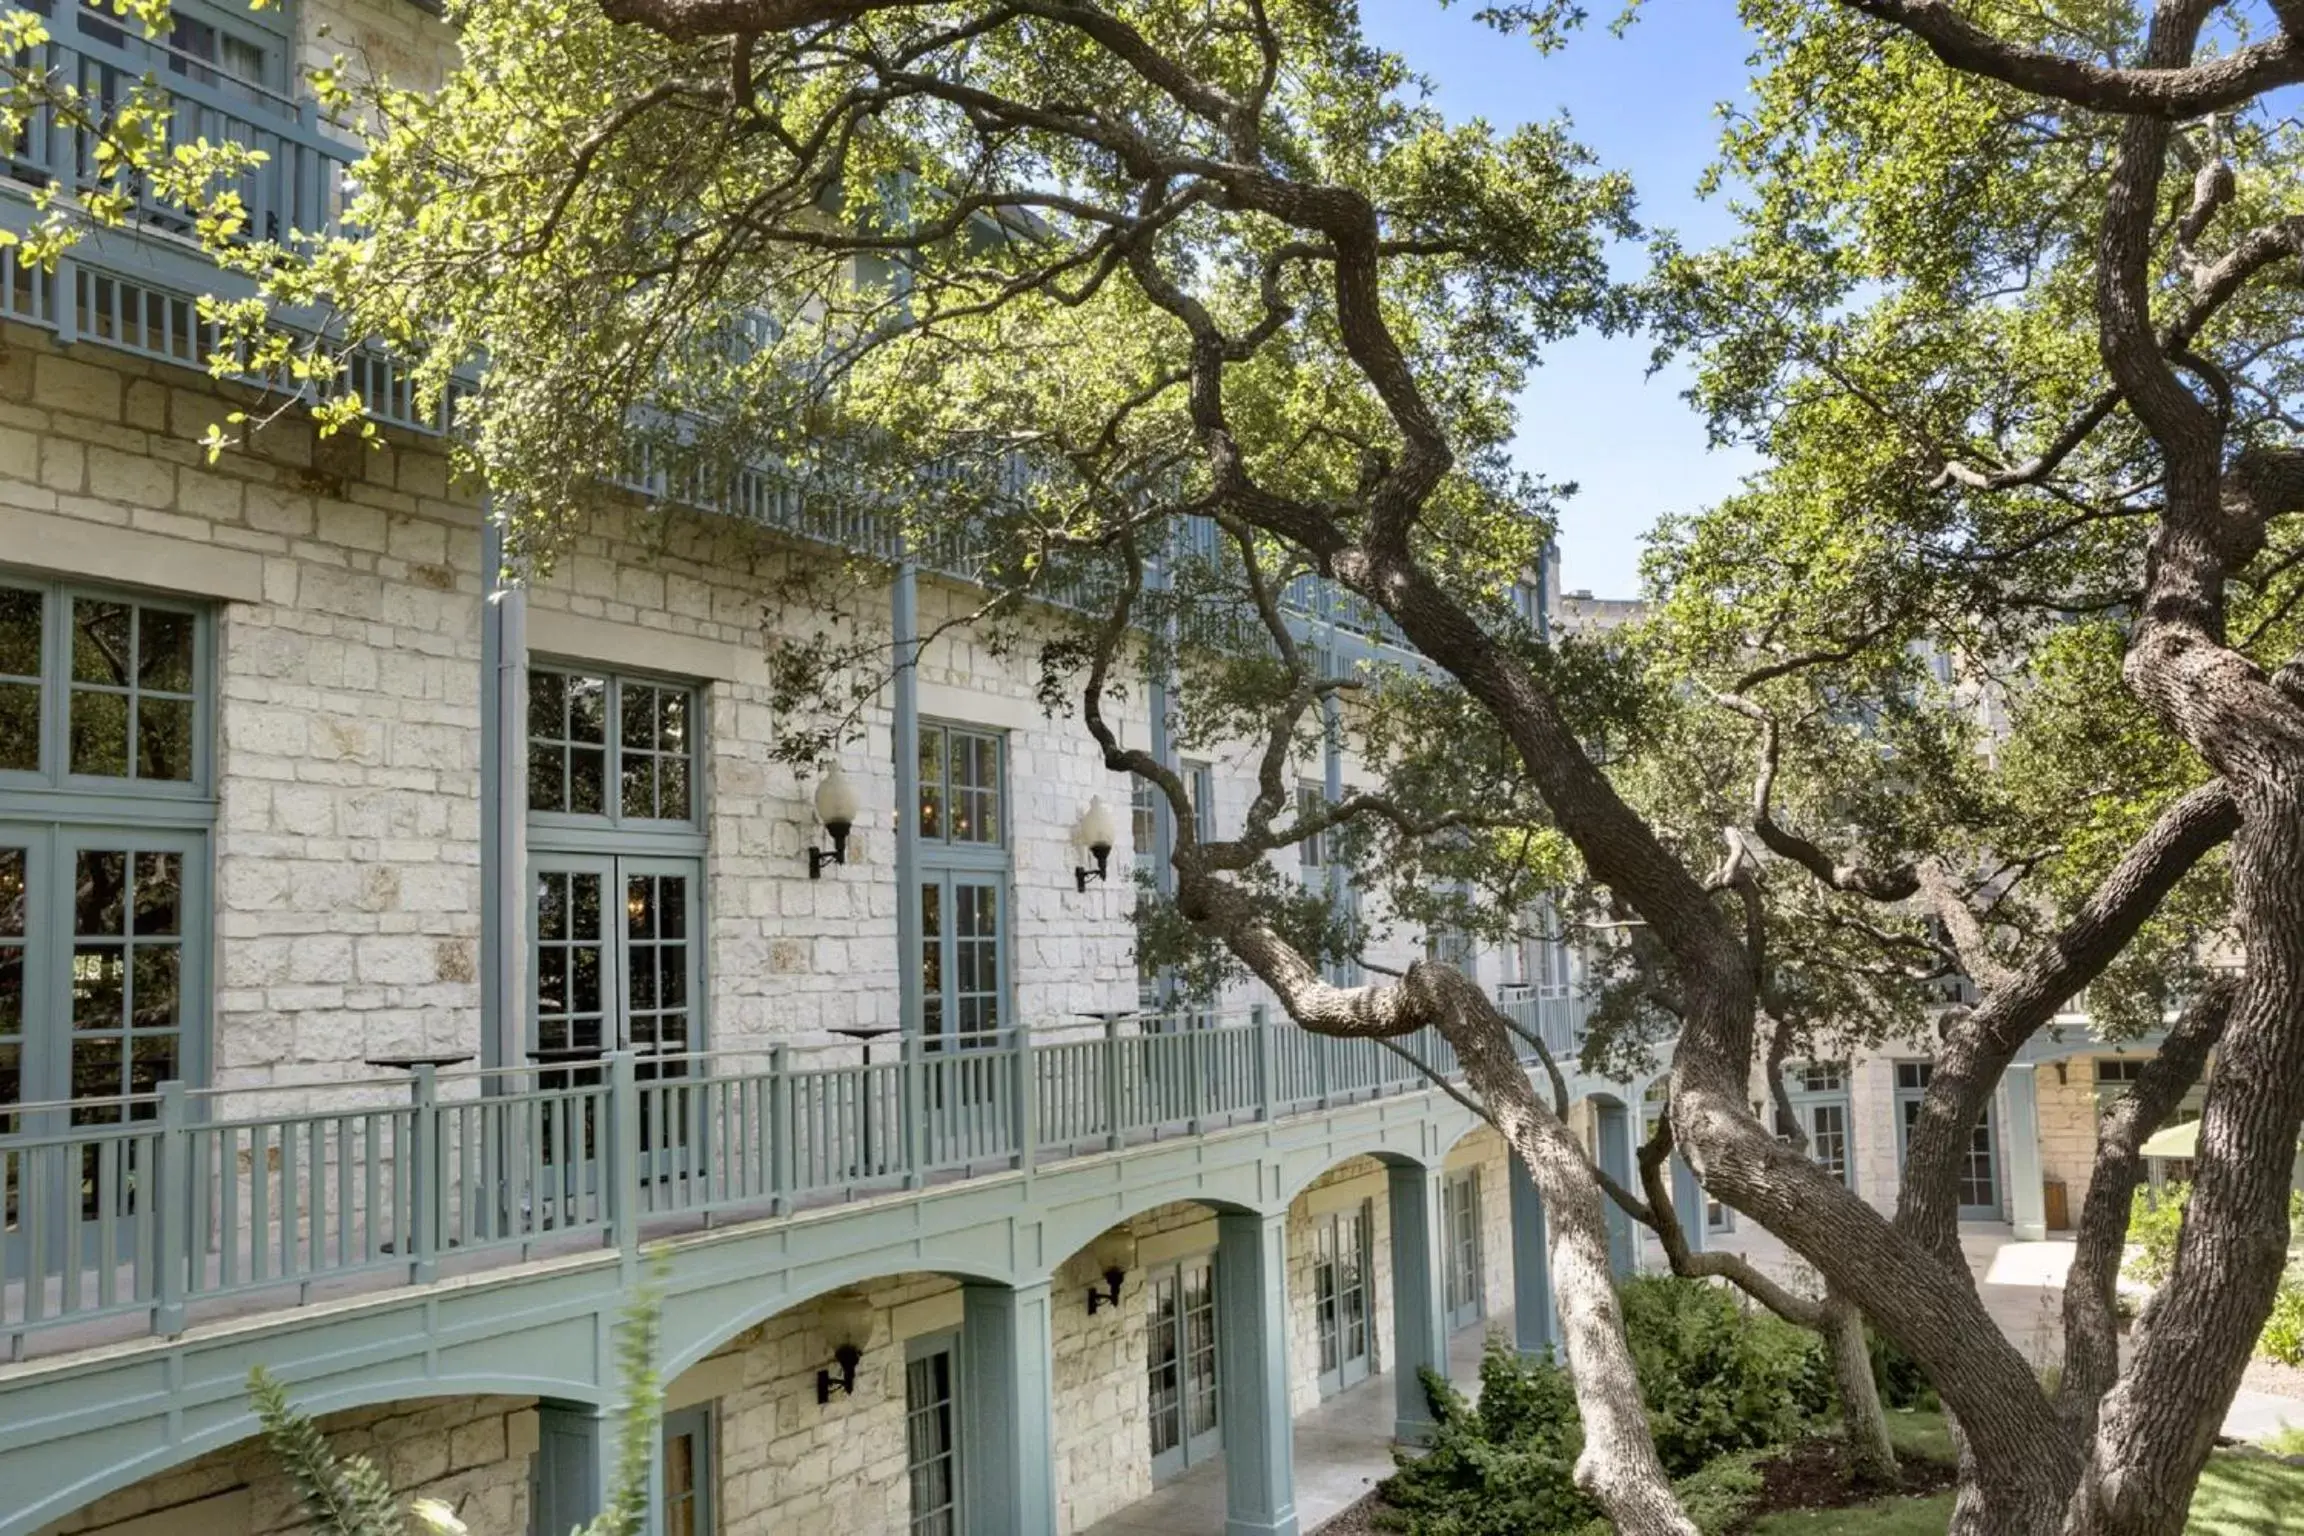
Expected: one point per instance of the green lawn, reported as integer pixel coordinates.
(2238, 1496)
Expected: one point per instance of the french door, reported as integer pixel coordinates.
(963, 959)
(1462, 1270)
(102, 999)
(616, 965)
(1342, 1275)
(1180, 1361)
(1979, 1171)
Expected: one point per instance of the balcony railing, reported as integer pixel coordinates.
(193, 1203)
(299, 185)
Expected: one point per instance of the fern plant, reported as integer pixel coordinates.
(348, 1496)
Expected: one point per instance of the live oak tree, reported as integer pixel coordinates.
(1045, 280)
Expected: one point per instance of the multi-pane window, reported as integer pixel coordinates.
(616, 962)
(1819, 1093)
(1461, 1259)
(1311, 801)
(101, 687)
(1144, 827)
(931, 1448)
(1342, 1271)
(1180, 1364)
(1979, 1181)
(615, 868)
(960, 787)
(600, 745)
(1200, 788)
(103, 700)
(689, 1474)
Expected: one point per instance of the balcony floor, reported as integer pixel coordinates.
(1343, 1449)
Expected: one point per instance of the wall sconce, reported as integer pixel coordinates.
(836, 806)
(847, 1322)
(1115, 1255)
(1097, 833)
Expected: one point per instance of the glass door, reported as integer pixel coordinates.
(1180, 1359)
(1463, 1278)
(1979, 1172)
(615, 965)
(98, 988)
(1341, 1273)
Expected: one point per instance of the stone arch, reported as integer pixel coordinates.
(690, 1346)
(318, 1399)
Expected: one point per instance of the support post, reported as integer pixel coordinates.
(904, 738)
(1111, 1063)
(1267, 1060)
(915, 1110)
(1008, 1399)
(2027, 1199)
(424, 1198)
(1419, 1300)
(1027, 1088)
(1535, 1326)
(623, 1173)
(503, 776)
(1616, 1159)
(780, 1130)
(1252, 1374)
(173, 1218)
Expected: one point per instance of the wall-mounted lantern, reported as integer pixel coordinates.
(1115, 1255)
(836, 805)
(846, 1319)
(1097, 833)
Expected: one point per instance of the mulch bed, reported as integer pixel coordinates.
(1356, 1519)
(1811, 1475)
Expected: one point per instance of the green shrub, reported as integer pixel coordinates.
(2283, 1335)
(1503, 1467)
(1898, 1376)
(1717, 1379)
(2155, 1218)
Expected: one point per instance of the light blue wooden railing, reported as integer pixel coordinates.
(300, 184)
(240, 1200)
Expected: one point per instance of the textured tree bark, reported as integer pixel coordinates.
(1871, 1454)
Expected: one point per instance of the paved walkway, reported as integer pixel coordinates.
(1344, 1446)
(1343, 1449)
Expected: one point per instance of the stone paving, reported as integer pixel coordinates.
(1343, 1447)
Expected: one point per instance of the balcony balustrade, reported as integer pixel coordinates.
(152, 1211)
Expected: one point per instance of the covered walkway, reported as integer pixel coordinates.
(1343, 1449)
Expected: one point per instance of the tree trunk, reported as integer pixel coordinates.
(1871, 1455)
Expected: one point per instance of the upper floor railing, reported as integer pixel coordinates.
(155, 1210)
(299, 184)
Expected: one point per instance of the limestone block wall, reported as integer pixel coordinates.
(2067, 1104)
(345, 587)
(472, 1453)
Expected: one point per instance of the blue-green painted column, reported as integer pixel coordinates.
(575, 1462)
(1252, 1373)
(2027, 1200)
(1419, 1302)
(1007, 1410)
(503, 775)
(1688, 1199)
(1614, 1131)
(904, 624)
(1535, 1327)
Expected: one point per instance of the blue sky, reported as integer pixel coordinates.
(1645, 103)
